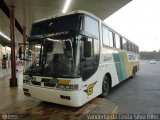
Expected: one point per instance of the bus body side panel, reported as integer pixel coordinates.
(131, 60)
(109, 65)
(119, 64)
(115, 62)
(125, 62)
(92, 87)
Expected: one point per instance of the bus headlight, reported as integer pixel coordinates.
(67, 87)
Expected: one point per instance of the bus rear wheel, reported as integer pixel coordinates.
(134, 73)
(105, 87)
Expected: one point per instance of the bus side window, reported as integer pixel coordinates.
(105, 36)
(124, 43)
(121, 46)
(129, 46)
(117, 40)
(136, 49)
(111, 39)
(133, 48)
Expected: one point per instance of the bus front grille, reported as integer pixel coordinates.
(47, 84)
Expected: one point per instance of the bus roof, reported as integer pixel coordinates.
(87, 13)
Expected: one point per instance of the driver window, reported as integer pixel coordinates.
(89, 56)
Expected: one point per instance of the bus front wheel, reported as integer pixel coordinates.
(105, 87)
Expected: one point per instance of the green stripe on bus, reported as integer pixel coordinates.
(123, 67)
(120, 66)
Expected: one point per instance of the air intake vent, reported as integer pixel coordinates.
(47, 84)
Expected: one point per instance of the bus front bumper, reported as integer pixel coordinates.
(68, 98)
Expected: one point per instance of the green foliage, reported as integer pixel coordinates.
(150, 55)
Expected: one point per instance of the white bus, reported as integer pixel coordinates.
(75, 57)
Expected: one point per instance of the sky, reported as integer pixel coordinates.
(139, 21)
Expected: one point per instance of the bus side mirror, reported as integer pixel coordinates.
(20, 52)
(87, 49)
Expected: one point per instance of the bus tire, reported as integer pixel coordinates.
(105, 86)
(133, 73)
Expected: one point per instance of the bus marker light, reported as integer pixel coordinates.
(67, 87)
(64, 82)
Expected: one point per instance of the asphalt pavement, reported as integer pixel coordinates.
(141, 94)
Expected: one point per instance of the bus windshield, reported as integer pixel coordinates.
(53, 58)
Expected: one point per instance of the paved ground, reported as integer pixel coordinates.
(141, 94)
(14, 103)
(4, 81)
